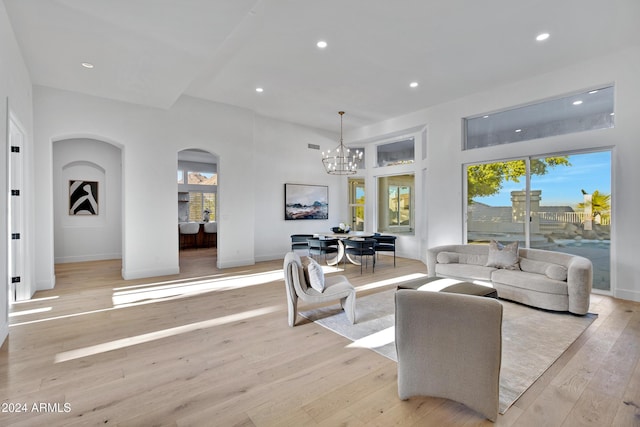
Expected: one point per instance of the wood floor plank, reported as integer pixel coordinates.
(212, 347)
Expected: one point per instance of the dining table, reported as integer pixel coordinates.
(341, 237)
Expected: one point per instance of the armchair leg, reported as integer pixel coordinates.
(349, 306)
(292, 305)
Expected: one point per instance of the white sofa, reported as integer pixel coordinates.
(544, 279)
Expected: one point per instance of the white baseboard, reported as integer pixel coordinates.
(627, 294)
(44, 285)
(83, 258)
(236, 263)
(4, 333)
(142, 274)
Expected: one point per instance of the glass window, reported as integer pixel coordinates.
(574, 113)
(395, 203)
(396, 153)
(561, 203)
(356, 203)
(202, 178)
(180, 176)
(199, 202)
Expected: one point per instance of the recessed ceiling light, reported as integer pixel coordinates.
(578, 102)
(485, 117)
(259, 90)
(321, 44)
(87, 65)
(542, 36)
(518, 130)
(413, 84)
(592, 92)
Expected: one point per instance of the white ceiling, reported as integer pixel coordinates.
(151, 52)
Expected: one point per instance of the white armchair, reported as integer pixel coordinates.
(335, 288)
(449, 346)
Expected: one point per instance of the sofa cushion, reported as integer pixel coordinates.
(503, 256)
(549, 269)
(445, 257)
(531, 281)
(474, 259)
(465, 271)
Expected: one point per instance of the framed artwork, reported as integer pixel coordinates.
(306, 201)
(83, 197)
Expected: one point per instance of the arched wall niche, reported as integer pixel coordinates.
(87, 199)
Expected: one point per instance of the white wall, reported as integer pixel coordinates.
(87, 237)
(250, 190)
(150, 140)
(282, 156)
(445, 159)
(15, 96)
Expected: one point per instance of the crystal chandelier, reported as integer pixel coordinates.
(340, 161)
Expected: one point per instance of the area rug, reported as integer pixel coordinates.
(532, 339)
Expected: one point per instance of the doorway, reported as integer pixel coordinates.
(560, 203)
(197, 196)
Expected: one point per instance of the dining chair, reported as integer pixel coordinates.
(318, 246)
(299, 242)
(385, 243)
(360, 247)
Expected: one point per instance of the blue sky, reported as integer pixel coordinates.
(561, 185)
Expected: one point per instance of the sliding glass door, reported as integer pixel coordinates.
(571, 208)
(560, 203)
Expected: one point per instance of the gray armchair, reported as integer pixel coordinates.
(335, 288)
(449, 346)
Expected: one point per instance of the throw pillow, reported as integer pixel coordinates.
(551, 270)
(447, 257)
(556, 272)
(305, 269)
(503, 256)
(316, 275)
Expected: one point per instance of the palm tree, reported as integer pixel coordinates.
(600, 203)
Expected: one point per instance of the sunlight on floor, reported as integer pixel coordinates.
(32, 311)
(388, 282)
(35, 300)
(152, 336)
(375, 340)
(136, 295)
(191, 287)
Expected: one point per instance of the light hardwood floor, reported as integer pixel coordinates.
(212, 348)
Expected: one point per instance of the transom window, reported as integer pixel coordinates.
(396, 153)
(579, 112)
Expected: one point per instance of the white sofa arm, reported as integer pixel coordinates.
(432, 255)
(579, 284)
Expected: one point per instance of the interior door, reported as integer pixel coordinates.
(16, 286)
